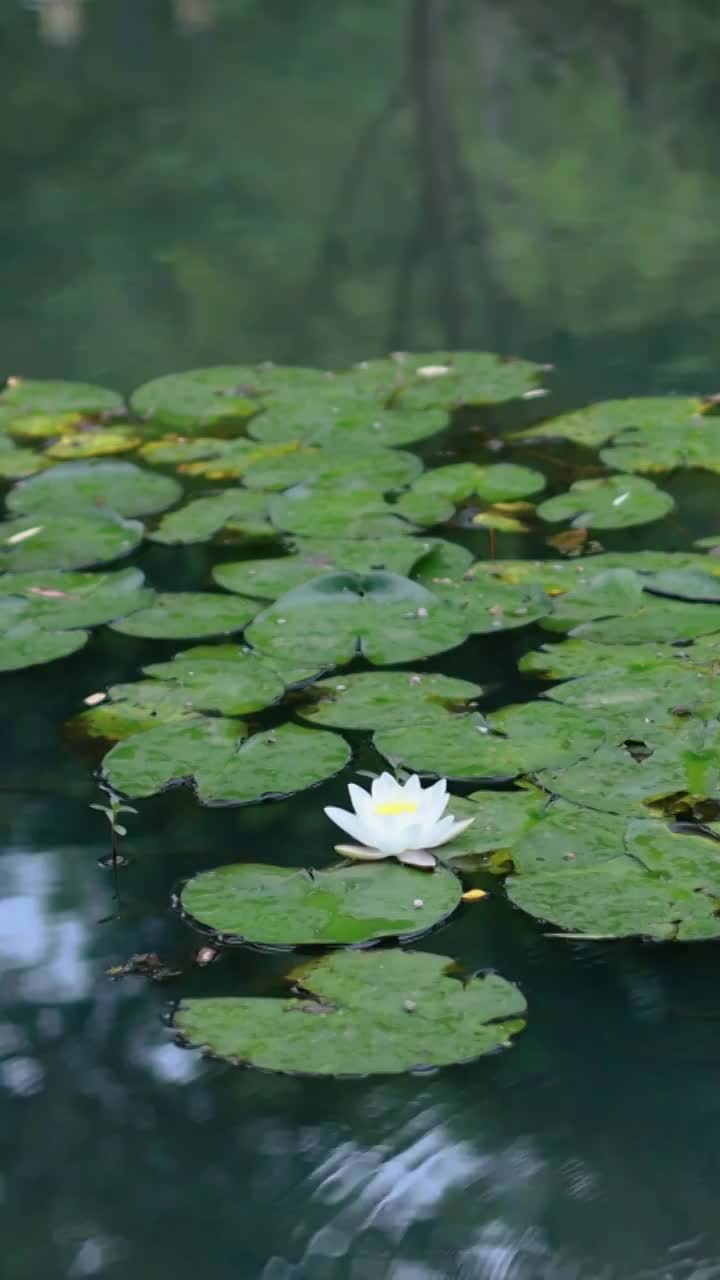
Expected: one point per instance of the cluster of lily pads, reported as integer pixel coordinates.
(594, 801)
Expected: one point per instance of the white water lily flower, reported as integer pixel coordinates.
(395, 820)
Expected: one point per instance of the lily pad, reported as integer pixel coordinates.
(360, 1013)
(57, 600)
(106, 485)
(335, 466)
(615, 608)
(517, 740)
(64, 539)
(346, 423)
(579, 657)
(136, 708)
(188, 615)
(266, 766)
(501, 819)
(499, 482)
(425, 509)
(316, 513)
(449, 379)
(41, 426)
(331, 619)
(94, 444)
(442, 566)
(32, 395)
(233, 511)
(16, 464)
(612, 502)
(596, 423)
(201, 398)
(656, 448)
(566, 837)
(26, 644)
(666, 887)
(379, 699)
(489, 606)
(225, 678)
(269, 906)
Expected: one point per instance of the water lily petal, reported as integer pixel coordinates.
(362, 801)
(418, 858)
(434, 800)
(385, 788)
(360, 852)
(349, 822)
(448, 832)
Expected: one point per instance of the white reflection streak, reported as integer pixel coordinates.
(47, 946)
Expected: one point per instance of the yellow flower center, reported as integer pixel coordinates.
(396, 806)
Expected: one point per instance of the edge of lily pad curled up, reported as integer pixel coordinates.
(397, 820)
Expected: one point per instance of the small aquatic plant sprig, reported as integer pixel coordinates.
(112, 810)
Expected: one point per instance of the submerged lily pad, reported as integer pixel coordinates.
(499, 482)
(331, 619)
(596, 423)
(665, 886)
(517, 740)
(60, 600)
(102, 486)
(360, 1013)
(33, 395)
(265, 905)
(200, 398)
(375, 700)
(612, 502)
(206, 750)
(188, 615)
(64, 539)
(233, 511)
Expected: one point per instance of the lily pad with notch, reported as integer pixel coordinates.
(346, 423)
(360, 1013)
(499, 482)
(232, 512)
(316, 513)
(349, 905)
(224, 770)
(596, 423)
(611, 502)
(381, 699)
(331, 619)
(227, 678)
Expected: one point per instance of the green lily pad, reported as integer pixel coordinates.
(266, 766)
(268, 906)
(500, 482)
(668, 684)
(666, 887)
(442, 566)
(500, 520)
(379, 699)
(685, 585)
(106, 485)
(425, 509)
(94, 444)
(346, 423)
(451, 378)
(270, 578)
(16, 464)
(517, 740)
(489, 606)
(41, 426)
(200, 398)
(233, 512)
(26, 644)
(335, 466)
(613, 502)
(32, 395)
(578, 657)
(596, 423)
(500, 820)
(225, 678)
(566, 837)
(375, 1013)
(58, 600)
(316, 513)
(65, 539)
(329, 620)
(136, 708)
(658, 448)
(174, 450)
(615, 608)
(188, 615)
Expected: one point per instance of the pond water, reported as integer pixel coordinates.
(221, 180)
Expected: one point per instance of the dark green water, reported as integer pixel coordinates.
(227, 180)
